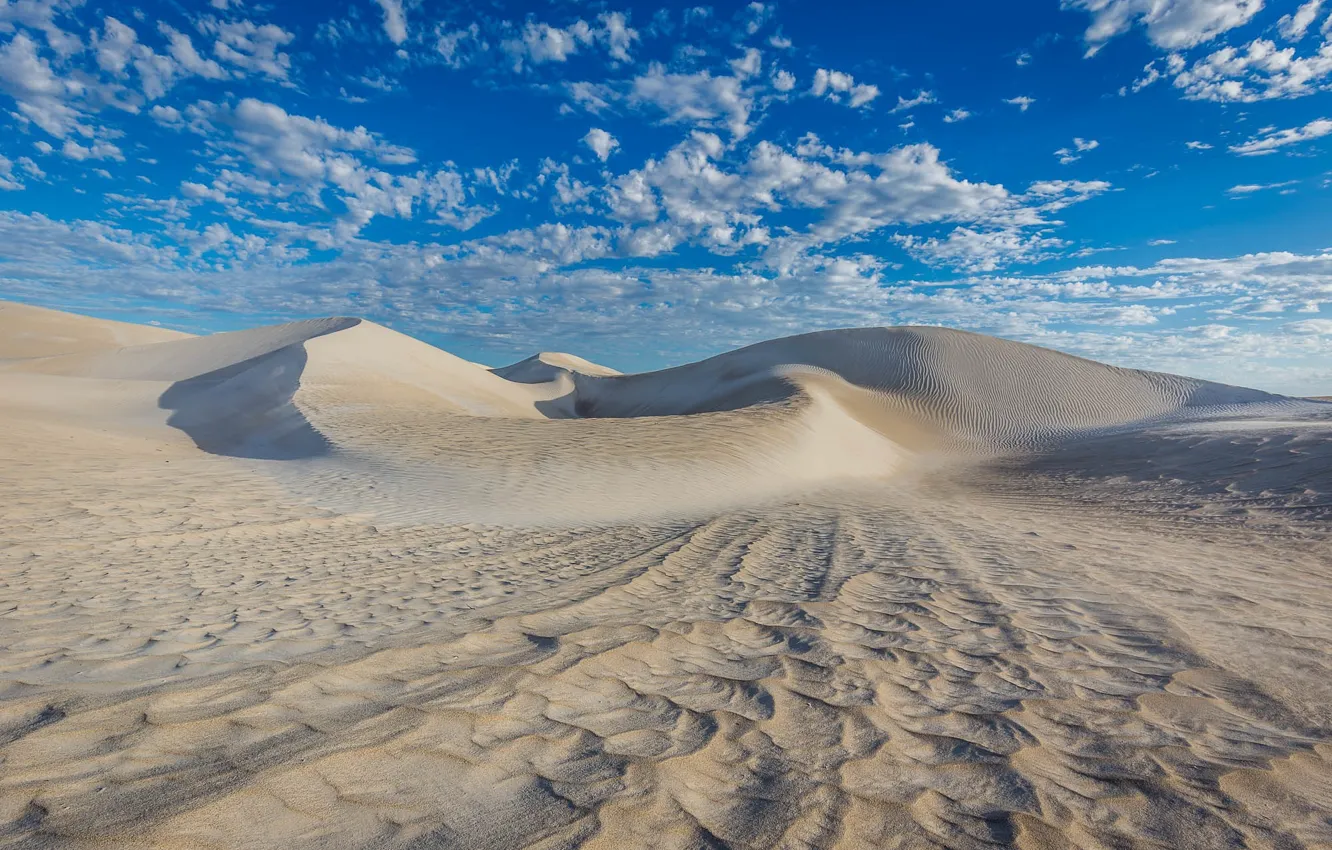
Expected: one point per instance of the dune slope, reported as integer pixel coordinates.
(322, 585)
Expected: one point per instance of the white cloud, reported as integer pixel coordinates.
(275, 140)
(41, 97)
(922, 98)
(600, 142)
(458, 46)
(594, 97)
(1022, 102)
(1055, 195)
(119, 49)
(114, 45)
(570, 193)
(312, 156)
(1073, 154)
(199, 192)
(40, 15)
(1150, 75)
(1158, 242)
(251, 47)
(395, 20)
(1250, 188)
(168, 115)
(1259, 72)
(1322, 327)
(1270, 141)
(747, 65)
(243, 45)
(617, 35)
(538, 42)
(543, 43)
(1133, 314)
(699, 98)
(757, 15)
(9, 182)
(690, 196)
(783, 81)
(1198, 146)
(973, 250)
(182, 50)
(96, 150)
(956, 115)
(834, 84)
(1170, 24)
(1293, 26)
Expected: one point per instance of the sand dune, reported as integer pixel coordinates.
(323, 585)
(28, 332)
(548, 366)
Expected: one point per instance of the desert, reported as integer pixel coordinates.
(320, 584)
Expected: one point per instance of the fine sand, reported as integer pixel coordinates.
(321, 585)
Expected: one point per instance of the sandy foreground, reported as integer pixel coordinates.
(322, 585)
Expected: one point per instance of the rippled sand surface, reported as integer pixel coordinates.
(323, 586)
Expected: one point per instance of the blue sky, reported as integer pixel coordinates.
(1145, 182)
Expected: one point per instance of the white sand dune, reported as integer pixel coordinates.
(550, 365)
(323, 585)
(30, 332)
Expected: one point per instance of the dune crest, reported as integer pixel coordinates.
(439, 438)
(321, 585)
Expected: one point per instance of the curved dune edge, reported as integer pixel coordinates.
(323, 586)
(374, 420)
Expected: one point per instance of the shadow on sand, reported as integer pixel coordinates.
(246, 409)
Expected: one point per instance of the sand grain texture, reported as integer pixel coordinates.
(322, 585)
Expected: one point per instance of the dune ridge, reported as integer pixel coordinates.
(765, 422)
(323, 585)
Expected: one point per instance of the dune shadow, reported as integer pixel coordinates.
(247, 410)
(635, 396)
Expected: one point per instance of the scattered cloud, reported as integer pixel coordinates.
(600, 143)
(251, 47)
(1268, 142)
(975, 250)
(922, 98)
(1022, 102)
(41, 97)
(1259, 71)
(1250, 188)
(956, 115)
(1169, 24)
(182, 49)
(1293, 26)
(395, 20)
(95, 150)
(698, 99)
(834, 84)
(538, 43)
(11, 173)
(1074, 153)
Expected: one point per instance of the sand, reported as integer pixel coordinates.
(320, 585)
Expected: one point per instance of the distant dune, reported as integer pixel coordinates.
(321, 584)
